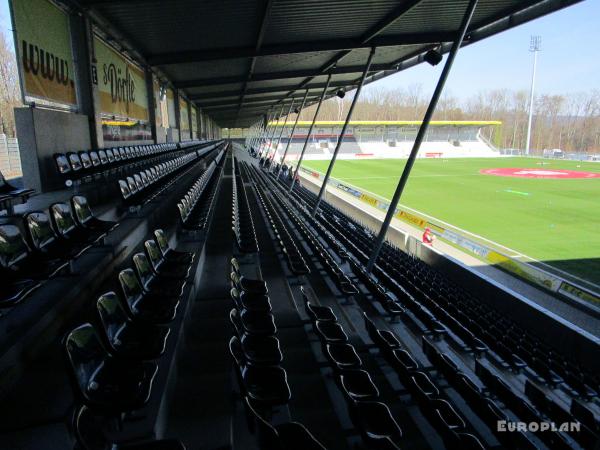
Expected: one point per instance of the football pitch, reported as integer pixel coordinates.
(556, 221)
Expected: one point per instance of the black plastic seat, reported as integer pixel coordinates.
(423, 388)
(44, 240)
(264, 385)
(357, 385)
(161, 266)
(85, 217)
(249, 285)
(104, 382)
(343, 356)
(261, 350)
(127, 338)
(384, 339)
(89, 429)
(288, 436)
(376, 424)
(154, 284)
(250, 302)
(65, 226)
(170, 254)
(321, 313)
(255, 323)
(330, 332)
(144, 306)
(19, 262)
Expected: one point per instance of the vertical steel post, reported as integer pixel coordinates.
(266, 130)
(274, 131)
(421, 134)
(341, 138)
(312, 125)
(292, 133)
(283, 128)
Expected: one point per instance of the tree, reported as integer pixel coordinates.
(10, 96)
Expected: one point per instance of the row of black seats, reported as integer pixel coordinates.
(257, 363)
(42, 245)
(471, 320)
(114, 364)
(242, 223)
(88, 162)
(477, 345)
(330, 265)
(369, 414)
(144, 186)
(195, 206)
(294, 258)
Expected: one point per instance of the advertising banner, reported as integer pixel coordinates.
(44, 53)
(184, 117)
(121, 84)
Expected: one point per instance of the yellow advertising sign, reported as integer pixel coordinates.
(122, 85)
(184, 117)
(411, 218)
(44, 53)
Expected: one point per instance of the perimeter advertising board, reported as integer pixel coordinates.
(121, 84)
(44, 53)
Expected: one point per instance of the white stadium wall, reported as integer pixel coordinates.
(389, 142)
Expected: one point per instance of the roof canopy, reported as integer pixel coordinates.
(237, 58)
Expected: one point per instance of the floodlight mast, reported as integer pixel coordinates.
(535, 46)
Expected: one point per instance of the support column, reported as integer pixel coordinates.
(312, 125)
(177, 113)
(82, 41)
(152, 103)
(283, 129)
(341, 138)
(421, 134)
(274, 130)
(287, 147)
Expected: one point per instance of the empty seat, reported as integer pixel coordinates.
(85, 217)
(144, 306)
(288, 436)
(264, 385)
(342, 356)
(21, 270)
(170, 254)
(127, 338)
(357, 385)
(251, 302)
(376, 424)
(330, 332)
(321, 313)
(256, 323)
(384, 339)
(163, 267)
(249, 285)
(261, 350)
(102, 381)
(44, 240)
(68, 230)
(155, 284)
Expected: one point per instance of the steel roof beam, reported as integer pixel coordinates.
(213, 54)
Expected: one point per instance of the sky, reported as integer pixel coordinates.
(567, 63)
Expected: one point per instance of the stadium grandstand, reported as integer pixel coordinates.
(386, 139)
(165, 287)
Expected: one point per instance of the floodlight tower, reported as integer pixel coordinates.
(535, 46)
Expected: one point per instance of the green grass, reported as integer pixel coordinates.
(558, 222)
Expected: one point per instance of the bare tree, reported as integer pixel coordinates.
(10, 96)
